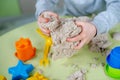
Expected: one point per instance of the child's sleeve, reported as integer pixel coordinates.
(43, 5)
(107, 19)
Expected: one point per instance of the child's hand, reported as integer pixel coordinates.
(42, 19)
(88, 32)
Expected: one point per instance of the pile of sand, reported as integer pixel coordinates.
(61, 30)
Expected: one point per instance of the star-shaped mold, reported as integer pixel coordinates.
(20, 71)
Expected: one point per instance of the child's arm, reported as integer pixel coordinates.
(102, 23)
(44, 5)
(107, 19)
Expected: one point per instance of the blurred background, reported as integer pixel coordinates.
(14, 13)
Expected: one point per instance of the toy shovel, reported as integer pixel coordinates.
(48, 44)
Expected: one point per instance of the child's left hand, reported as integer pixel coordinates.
(88, 32)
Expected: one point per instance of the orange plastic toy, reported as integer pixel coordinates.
(24, 48)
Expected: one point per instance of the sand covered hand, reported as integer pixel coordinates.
(42, 19)
(88, 32)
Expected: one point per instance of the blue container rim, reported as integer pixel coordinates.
(107, 60)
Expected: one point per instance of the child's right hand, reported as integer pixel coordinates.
(42, 19)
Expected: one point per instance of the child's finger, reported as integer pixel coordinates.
(73, 39)
(46, 34)
(43, 20)
(79, 23)
(82, 42)
(79, 37)
(43, 29)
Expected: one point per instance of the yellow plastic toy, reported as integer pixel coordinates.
(37, 76)
(48, 44)
(2, 77)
